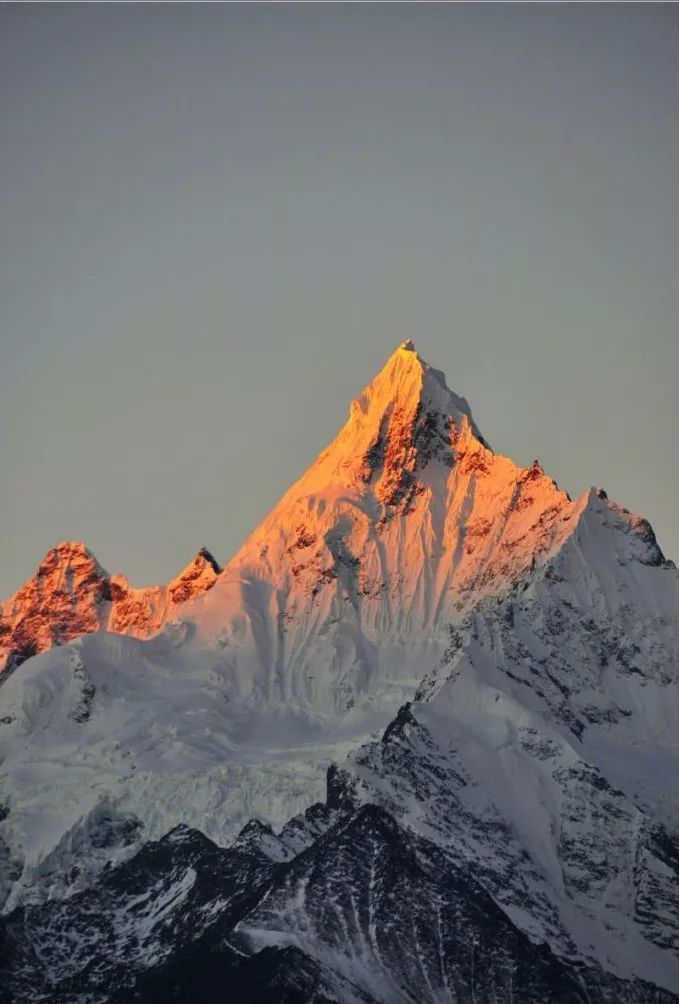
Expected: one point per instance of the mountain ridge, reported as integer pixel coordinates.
(404, 421)
(485, 669)
(72, 594)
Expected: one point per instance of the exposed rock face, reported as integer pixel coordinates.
(366, 912)
(401, 526)
(66, 597)
(490, 666)
(71, 595)
(143, 612)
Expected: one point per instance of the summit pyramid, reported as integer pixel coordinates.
(415, 742)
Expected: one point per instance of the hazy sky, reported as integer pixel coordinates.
(216, 222)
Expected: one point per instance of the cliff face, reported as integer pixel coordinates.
(489, 669)
(71, 595)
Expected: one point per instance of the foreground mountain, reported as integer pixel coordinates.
(492, 666)
(71, 595)
(343, 906)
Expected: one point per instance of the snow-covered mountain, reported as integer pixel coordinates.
(71, 595)
(487, 671)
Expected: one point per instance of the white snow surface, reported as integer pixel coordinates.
(349, 595)
(545, 751)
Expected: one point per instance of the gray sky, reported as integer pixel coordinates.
(216, 222)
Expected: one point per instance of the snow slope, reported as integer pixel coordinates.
(545, 750)
(532, 638)
(310, 639)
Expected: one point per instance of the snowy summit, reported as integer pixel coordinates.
(425, 717)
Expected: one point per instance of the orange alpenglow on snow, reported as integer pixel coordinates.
(71, 595)
(406, 514)
(398, 529)
(402, 525)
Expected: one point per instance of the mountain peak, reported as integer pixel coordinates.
(405, 520)
(408, 380)
(205, 555)
(404, 419)
(198, 576)
(70, 594)
(67, 552)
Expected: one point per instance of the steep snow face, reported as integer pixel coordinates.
(544, 749)
(401, 525)
(543, 753)
(404, 523)
(71, 595)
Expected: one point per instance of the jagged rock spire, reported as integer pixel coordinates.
(71, 594)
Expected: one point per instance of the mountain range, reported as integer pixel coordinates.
(416, 741)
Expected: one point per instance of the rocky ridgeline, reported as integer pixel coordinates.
(490, 665)
(71, 595)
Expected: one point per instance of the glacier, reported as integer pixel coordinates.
(443, 651)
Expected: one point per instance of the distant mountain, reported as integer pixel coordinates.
(487, 672)
(71, 595)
